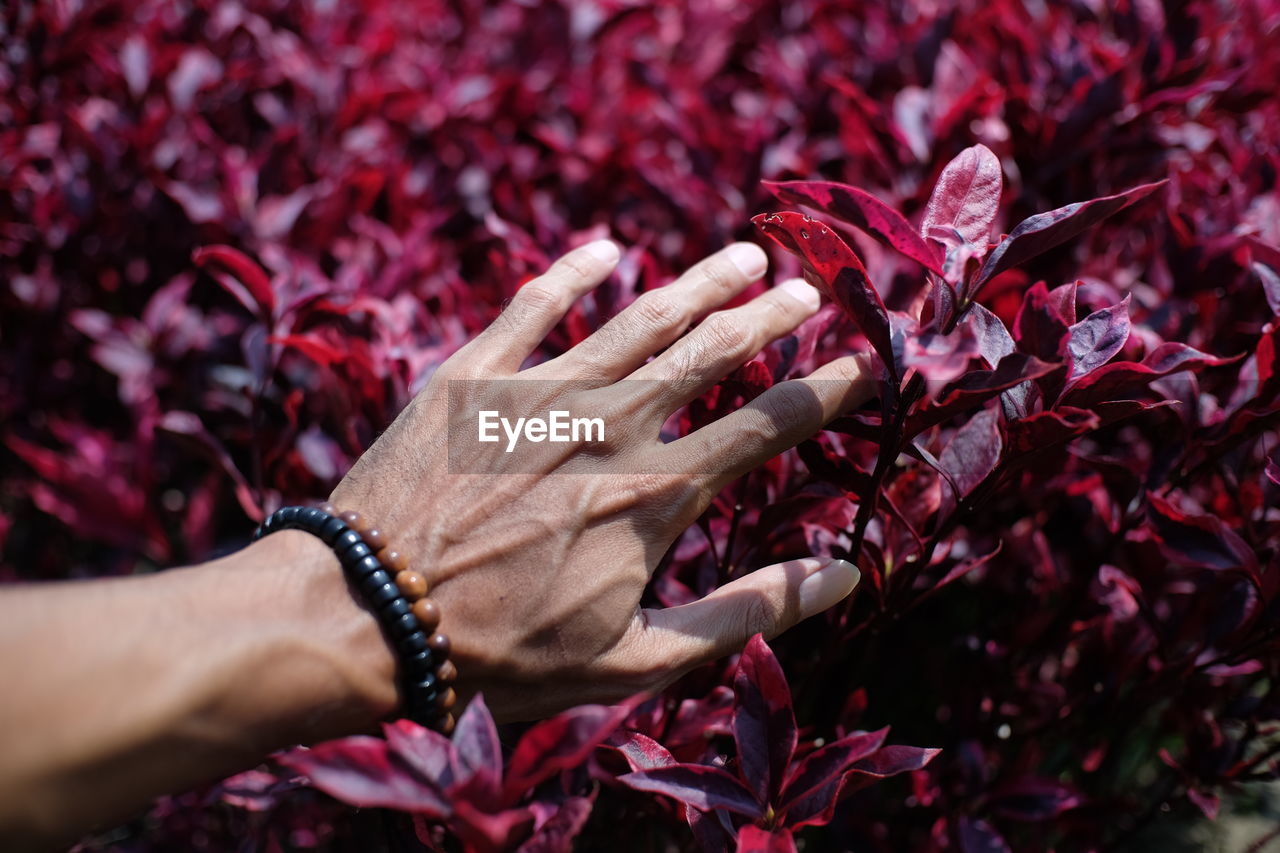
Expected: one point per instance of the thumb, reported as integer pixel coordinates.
(768, 601)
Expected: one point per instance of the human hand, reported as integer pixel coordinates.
(538, 558)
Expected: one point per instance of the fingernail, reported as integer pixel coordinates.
(828, 585)
(802, 291)
(749, 258)
(604, 250)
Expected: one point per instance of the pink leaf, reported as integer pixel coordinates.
(641, 751)
(865, 212)
(1116, 380)
(1096, 338)
(971, 456)
(1040, 233)
(967, 195)
(479, 753)
(764, 726)
(753, 839)
(1266, 266)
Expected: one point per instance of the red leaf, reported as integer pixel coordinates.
(764, 726)
(1096, 338)
(247, 282)
(559, 743)
(865, 212)
(699, 786)
(1045, 430)
(967, 195)
(753, 839)
(426, 751)
(826, 765)
(831, 266)
(1038, 328)
(364, 772)
(1040, 233)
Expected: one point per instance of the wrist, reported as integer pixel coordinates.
(324, 662)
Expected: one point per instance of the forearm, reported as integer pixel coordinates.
(135, 687)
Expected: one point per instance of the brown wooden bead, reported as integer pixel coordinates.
(328, 508)
(427, 612)
(374, 538)
(447, 699)
(352, 519)
(446, 673)
(446, 724)
(393, 559)
(412, 584)
(439, 644)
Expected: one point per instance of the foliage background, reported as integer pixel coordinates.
(400, 168)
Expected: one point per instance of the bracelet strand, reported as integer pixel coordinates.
(397, 595)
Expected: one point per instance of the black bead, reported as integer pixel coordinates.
(289, 515)
(414, 644)
(331, 529)
(312, 518)
(354, 554)
(423, 695)
(345, 541)
(379, 597)
(401, 626)
(419, 665)
(396, 609)
(375, 580)
(365, 568)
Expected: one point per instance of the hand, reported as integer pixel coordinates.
(538, 557)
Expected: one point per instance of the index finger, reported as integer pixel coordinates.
(777, 420)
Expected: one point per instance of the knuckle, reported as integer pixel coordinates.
(721, 274)
(658, 311)
(725, 333)
(757, 616)
(788, 407)
(542, 296)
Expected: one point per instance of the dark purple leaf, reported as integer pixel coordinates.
(967, 195)
(832, 267)
(892, 760)
(363, 771)
(1040, 233)
(978, 836)
(863, 211)
(975, 388)
(1096, 338)
(556, 834)
(1199, 540)
(1120, 379)
(426, 751)
(1034, 799)
(827, 764)
(1266, 266)
(1038, 328)
(971, 456)
(1273, 470)
(753, 839)
(764, 726)
(476, 746)
(994, 340)
(697, 785)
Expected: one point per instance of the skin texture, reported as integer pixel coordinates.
(129, 688)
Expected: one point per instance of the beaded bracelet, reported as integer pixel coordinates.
(396, 594)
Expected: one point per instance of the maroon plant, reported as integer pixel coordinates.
(463, 782)
(769, 784)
